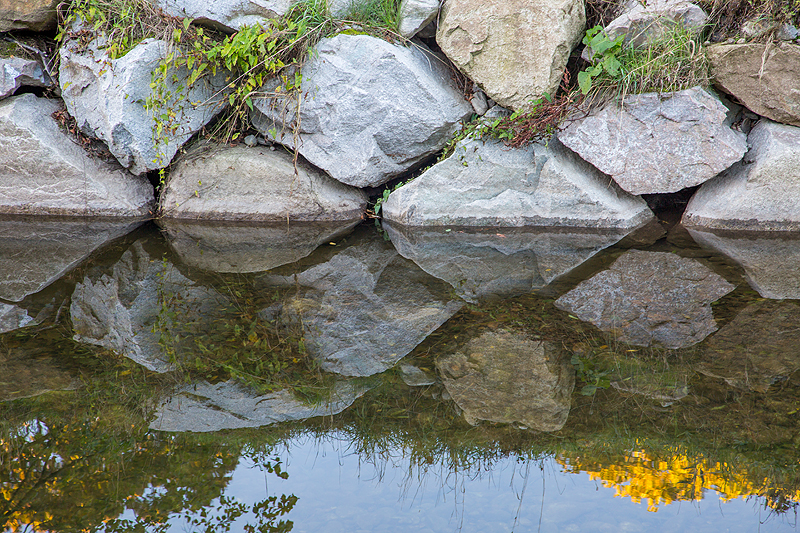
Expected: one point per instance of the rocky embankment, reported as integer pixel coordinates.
(372, 111)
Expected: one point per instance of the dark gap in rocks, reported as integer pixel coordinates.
(669, 207)
(373, 193)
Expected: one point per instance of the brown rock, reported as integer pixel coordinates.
(34, 15)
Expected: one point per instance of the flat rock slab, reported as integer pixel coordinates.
(366, 307)
(488, 264)
(257, 184)
(770, 259)
(35, 252)
(243, 248)
(371, 110)
(516, 50)
(485, 183)
(203, 407)
(44, 172)
(106, 97)
(650, 297)
(757, 348)
(760, 193)
(658, 143)
(33, 15)
(765, 78)
(16, 72)
(503, 376)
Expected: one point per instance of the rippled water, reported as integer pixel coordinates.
(212, 378)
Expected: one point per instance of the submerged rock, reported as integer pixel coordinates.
(30, 370)
(13, 317)
(365, 308)
(516, 50)
(16, 72)
(485, 183)
(502, 376)
(761, 192)
(757, 348)
(203, 407)
(256, 184)
(370, 109)
(761, 76)
(107, 96)
(35, 252)
(491, 263)
(658, 143)
(245, 248)
(47, 173)
(770, 259)
(647, 298)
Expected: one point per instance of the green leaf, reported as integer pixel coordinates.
(611, 65)
(585, 82)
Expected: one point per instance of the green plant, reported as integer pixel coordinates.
(603, 52)
(588, 371)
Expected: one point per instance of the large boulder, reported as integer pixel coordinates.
(487, 263)
(516, 50)
(35, 252)
(761, 192)
(649, 298)
(414, 15)
(44, 172)
(370, 109)
(227, 15)
(504, 376)
(256, 184)
(764, 77)
(107, 96)
(16, 72)
(658, 143)
(769, 259)
(485, 183)
(650, 22)
(33, 15)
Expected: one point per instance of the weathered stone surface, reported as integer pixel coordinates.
(16, 72)
(415, 377)
(650, 297)
(46, 173)
(489, 264)
(502, 376)
(257, 184)
(13, 317)
(228, 15)
(366, 307)
(34, 252)
(29, 371)
(489, 184)
(770, 259)
(658, 143)
(515, 49)
(765, 78)
(34, 15)
(653, 21)
(245, 248)
(761, 192)
(202, 407)
(757, 348)
(415, 15)
(370, 111)
(106, 97)
(140, 305)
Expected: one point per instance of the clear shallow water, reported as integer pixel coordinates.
(700, 437)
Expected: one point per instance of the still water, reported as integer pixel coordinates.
(235, 378)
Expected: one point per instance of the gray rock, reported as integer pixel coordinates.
(502, 376)
(43, 172)
(366, 308)
(415, 15)
(16, 72)
(489, 184)
(516, 50)
(490, 264)
(658, 143)
(243, 248)
(762, 77)
(769, 259)
(761, 192)
(257, 184)
(228, 15)
(757, 348)
(13, 317)
(143, 309)
(36, 252)
(106, 97)
(370, 111)
(787, 32)
(33, 15)
(650, 297)
(203, 407)
(479, 103)
(414, 377)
